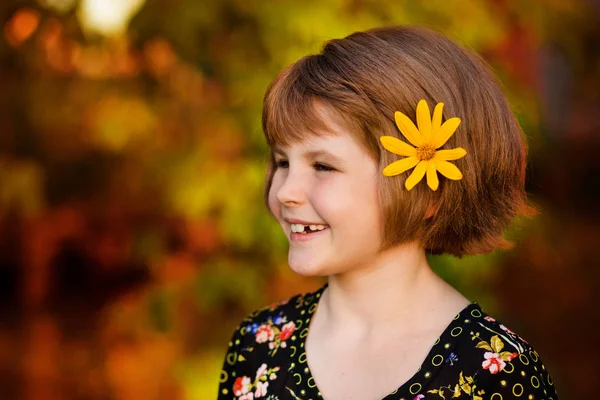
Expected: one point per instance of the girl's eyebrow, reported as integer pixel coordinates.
(324, 156)
(314, 155)
(278, 151)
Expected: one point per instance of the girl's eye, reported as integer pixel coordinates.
(323, 167)
(317, 166)
(281, 164)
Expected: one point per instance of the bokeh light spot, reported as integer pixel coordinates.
(21, 26)
(108, 17)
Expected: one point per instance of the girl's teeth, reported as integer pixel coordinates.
(299, 228)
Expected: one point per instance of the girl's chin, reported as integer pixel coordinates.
(307, 267)
(303, 270)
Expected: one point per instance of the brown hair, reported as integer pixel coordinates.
(365, 78)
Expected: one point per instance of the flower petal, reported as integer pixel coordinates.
(441, 135)
(453, 154)
(436, 122)
(424, 120)
(408, 129)
(397, 146)
(416, 175)
(398, 167)
(432, 178)
(447, 169)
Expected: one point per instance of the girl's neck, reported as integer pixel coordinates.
(396, 290)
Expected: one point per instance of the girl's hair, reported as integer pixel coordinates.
(366, 77)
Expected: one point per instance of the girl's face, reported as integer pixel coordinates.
(326, 186)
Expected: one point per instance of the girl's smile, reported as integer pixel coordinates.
(306, 235)
(302, 230)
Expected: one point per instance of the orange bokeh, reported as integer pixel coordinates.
(21, 26)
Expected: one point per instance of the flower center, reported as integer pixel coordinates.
(425, 152)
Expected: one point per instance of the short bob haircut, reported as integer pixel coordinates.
(367, 76)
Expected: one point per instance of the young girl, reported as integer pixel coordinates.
(390, 144)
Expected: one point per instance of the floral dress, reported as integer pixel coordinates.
(476, 357)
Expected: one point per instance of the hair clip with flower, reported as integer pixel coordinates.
(430, 135)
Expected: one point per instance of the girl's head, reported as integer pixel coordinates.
(345, 99)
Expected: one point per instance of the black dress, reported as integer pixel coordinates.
(476, 357)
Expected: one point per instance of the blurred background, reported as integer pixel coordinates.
(133, 236)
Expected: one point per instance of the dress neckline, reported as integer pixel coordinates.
(439, 354)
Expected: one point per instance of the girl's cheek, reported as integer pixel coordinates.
(326, 199)
(272, 200)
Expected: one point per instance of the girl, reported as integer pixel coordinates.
(390, 144)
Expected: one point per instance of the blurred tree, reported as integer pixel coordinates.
(133, 233)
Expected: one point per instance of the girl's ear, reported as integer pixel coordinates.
(431, 210)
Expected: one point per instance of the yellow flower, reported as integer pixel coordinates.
(427, 138)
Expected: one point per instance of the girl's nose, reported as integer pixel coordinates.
(291, 192)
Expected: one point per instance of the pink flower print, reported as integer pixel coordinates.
(493, 362)
(248, 396)
(506, 329)
(261, 389)
(264, 333)
(287, 330)
(272, 345)
(419, 397)
(489, 319)
(272, 377)
(262, 370)
(242, 385)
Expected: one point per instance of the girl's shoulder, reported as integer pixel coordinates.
(483, 328)
(268, 328)
(486, 358)
(258, 357)
(291, 311)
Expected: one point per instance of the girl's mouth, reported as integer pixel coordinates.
(306, 232)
